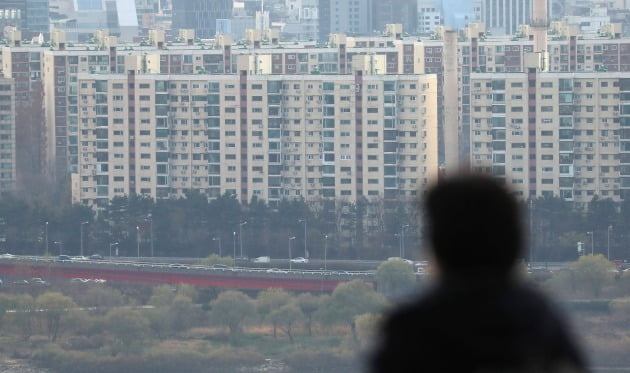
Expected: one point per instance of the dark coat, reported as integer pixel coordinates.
(485, 325)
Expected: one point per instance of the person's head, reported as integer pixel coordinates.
(473, 224)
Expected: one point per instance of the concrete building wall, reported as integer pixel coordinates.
(292, 137)
(567, 140)
(8, 177)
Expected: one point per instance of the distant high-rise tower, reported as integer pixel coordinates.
(29, 16)
(504, 16)
(200, 15)
(345, 16)
(395, 11)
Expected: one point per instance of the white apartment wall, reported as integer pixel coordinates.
(296, 136)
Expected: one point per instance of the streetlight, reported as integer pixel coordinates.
(46, 236)
(325, 250)
(399, 242)
(610, 227)
(240, 236)
(305, 250)
(290, 239)
(402, 240)
(82, 224)
(150, 219)
(592, 242)
(218, 239)
(138, 240)
(110, 249)
(234, 242)
(60, 244)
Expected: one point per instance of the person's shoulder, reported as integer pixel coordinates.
(414, 312)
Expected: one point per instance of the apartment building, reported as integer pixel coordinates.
(57, 69)
(22, 64)
(454, 57)
(553, 134)
(316, 137)
(7, 136)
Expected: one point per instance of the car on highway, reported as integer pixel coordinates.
(221, 267)
(7, 256)
(39, 281)
(96, 257)
(20, 282)
(262, 259)
(63, 258)
(299, 259)
(276, 270)
(177, 265)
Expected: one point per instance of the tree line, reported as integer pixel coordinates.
(170, 329)
(192, 226)
(556, 226)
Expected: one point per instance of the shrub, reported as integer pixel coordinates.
(160, 359)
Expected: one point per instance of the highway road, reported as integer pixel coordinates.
(157, 272)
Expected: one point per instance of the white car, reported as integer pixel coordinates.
(262, 259)
(299, 259)
(276, 270)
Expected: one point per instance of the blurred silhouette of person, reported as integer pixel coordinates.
(478, 316)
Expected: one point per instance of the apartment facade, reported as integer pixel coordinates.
(7, 136)
(455, 58)
(22, 65)
(58, 68)
(553, 134)
(316, 137)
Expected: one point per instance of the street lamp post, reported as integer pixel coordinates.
(402, 240)
(234, 243)
(592, 242)
(60, 244)
(218, 239)
(305, 250)
(138, 240)
(290, 239)
(46, 238)
(325, 250)
(610, 227)
(82, 224)
(240, 236)
(110, 249)
(150, 218)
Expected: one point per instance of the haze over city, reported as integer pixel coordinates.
(219, 185)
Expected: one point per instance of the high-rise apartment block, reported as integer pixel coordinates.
(7, 136)
(315, 137)
(553, 134)
(513, 105)
(23, 64)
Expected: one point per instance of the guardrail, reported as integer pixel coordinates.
(153, 272)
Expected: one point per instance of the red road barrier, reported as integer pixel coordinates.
(224, 279)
